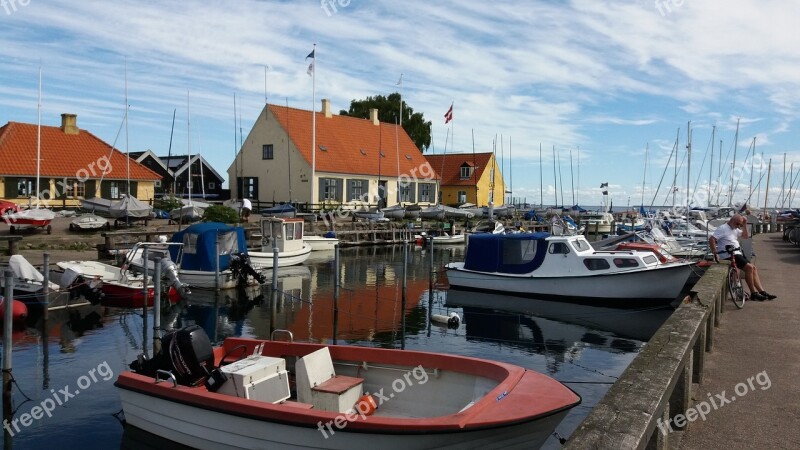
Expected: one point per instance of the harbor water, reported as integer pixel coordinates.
(64, 371)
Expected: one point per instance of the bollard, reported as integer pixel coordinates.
(275, 257)
(7, 330)
(46, 285)
(145, 298)
(157, 307)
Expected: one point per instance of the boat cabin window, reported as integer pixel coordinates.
(558, 248)
(228, 243)
(625, 262)
(581, 245)
(298, 230)
(649, 259)
(190, 243)
(518, 251)
(289, 231)
(596, 264)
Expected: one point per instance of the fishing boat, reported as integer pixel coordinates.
(287, 236)
(28, 281)
(321, 243)
(566, 268)
(213, 256)
(283, 394)
(121, 287)
(372, 215)
(597, 222)
(396, 212)
(285, 210)
(89, 222)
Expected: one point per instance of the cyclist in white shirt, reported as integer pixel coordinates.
(728, 234)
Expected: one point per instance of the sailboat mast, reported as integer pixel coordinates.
(288, 150)
(766, 189)
(555, 178)
(578, 192)
(675, 177)
(39, 137)
(169, 151)
(783, 184)
(236, 153)
(314, 126)
(127, 150)
(189, 144)
(711, 166)
(688, 162)
(733, 166)
(474, 168)
(644, 175)
(571, 177)
(510, 173)
(560, 180)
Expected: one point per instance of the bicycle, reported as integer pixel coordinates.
(735, 287)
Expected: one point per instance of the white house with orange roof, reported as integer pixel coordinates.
(356, 161)
(71, 166)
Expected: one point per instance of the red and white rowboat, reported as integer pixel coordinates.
(283, 396)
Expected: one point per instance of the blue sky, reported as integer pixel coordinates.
(603, 79)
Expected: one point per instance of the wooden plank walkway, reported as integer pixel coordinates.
(759, 343)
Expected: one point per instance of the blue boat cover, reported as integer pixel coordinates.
(506, 253)
(199, 242)
(278, 209)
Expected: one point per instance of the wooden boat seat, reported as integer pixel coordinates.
(318, 384)
(297, 405)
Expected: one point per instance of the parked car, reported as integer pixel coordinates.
(7, 207)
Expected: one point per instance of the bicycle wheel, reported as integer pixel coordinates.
(735, 288)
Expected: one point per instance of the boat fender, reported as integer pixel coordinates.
(366, 405)
(452, 321)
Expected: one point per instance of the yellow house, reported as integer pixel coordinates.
(469, 178)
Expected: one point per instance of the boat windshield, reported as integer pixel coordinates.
(228, 243)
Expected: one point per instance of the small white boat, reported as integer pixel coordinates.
(28, 282)
(121, 287)
(418, 400)
(396, 212)
(285, 234)
(446, 238)
(489, 226)
(372, 215)
(89, 222)
(29, 219)
(191, 211)
(566, 268)
(320, 243)
(597, 222)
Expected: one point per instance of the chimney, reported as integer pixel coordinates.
(69, 124)
(373, 116)
(326, 108)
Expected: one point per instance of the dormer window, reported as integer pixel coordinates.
(466, 172)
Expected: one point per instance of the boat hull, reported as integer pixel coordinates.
(209, 280)
(204, 429)
(488, 404)
(635, 288)
(319, 243)
(263, 260)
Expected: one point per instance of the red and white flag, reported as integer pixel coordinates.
(448, 116)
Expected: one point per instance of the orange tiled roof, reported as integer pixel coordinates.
(450, 167)
(351, 144)
(62, 155)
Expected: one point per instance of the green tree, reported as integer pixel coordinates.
(388, 110)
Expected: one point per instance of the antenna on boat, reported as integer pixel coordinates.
(38, 136)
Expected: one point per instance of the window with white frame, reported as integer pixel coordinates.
(462, 196)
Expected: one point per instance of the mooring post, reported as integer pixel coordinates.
(216, 264)
(337, 274)
(275, 257)
(145, 298)
(7, 330)
(46, 285)
(157, 307)
(403, 297)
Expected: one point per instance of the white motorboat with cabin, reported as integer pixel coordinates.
(321, 243)
(567, 268)
(285, 234)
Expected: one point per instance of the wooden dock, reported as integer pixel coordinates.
(671, 395)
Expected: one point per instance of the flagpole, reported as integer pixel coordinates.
(400, 82)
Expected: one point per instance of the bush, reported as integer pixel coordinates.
(219, 213)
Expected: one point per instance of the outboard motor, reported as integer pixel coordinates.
(241, 268)
(170, 270)
(186, 353)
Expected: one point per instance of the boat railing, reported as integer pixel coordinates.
(168, 376)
